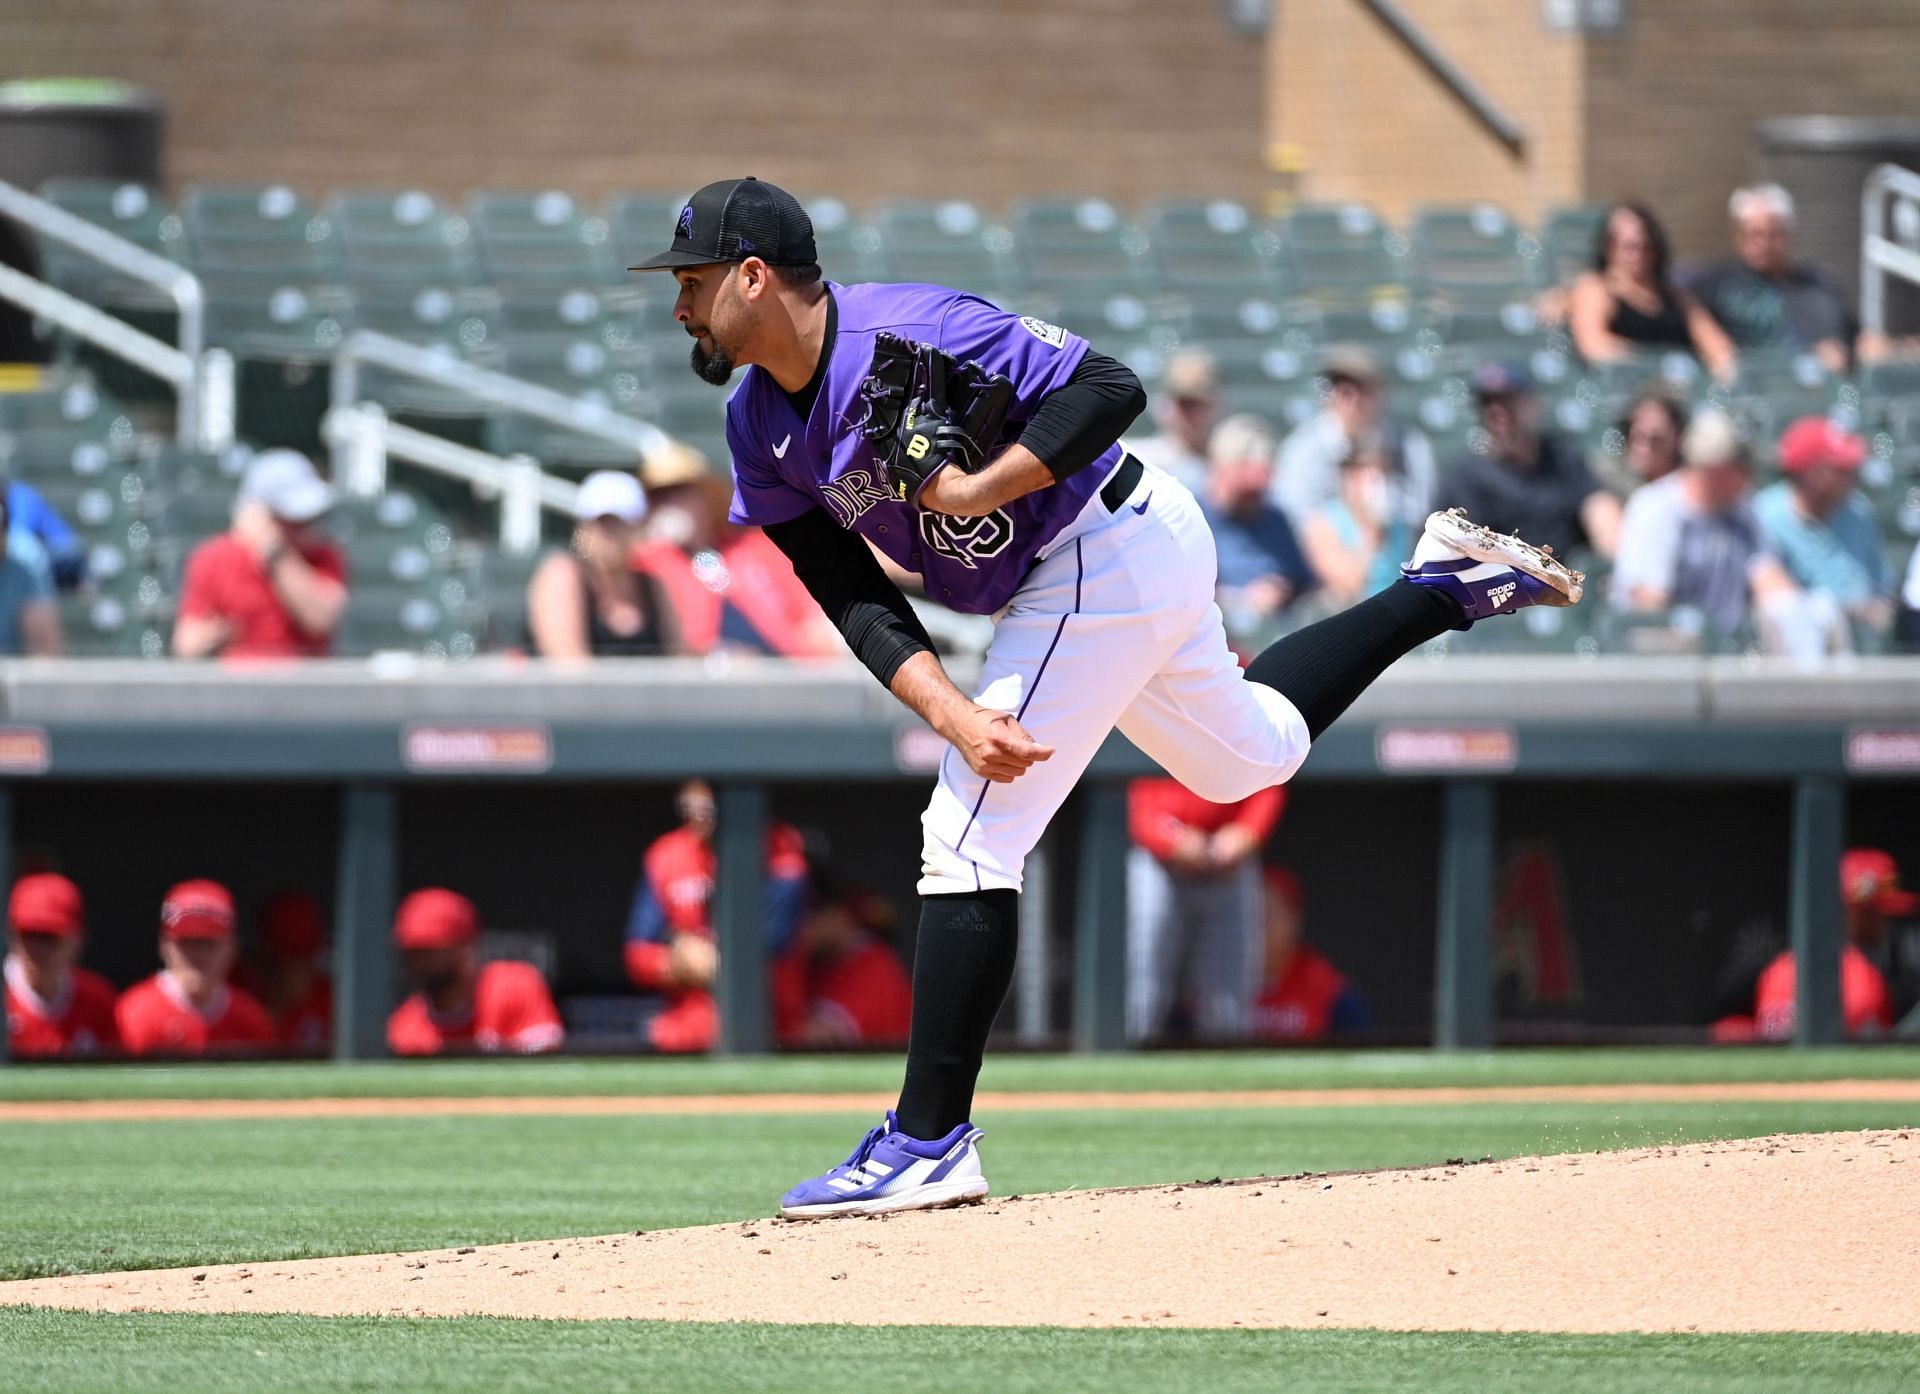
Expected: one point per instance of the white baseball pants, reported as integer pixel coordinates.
(1115, 626)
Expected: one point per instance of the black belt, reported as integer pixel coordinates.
(1120, 485)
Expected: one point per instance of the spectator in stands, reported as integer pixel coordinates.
(460, 1005)
(590, 601)
(29, 620)
(1823, 528)
(188, 1007)
(1650, 433)
(1627, 303)
(1303, 997)
(54, 1007)
(1193, 909)
(1528, 481)
(1356, 541)
(29, 512)
(290, 975)
(1766, 301)
(840, 982)
(1262, 569)
(1907, 622)
(1187, 408)
(728, 587)
(670, 933)
(1307, 474)
(1691, 539)
(273, 585)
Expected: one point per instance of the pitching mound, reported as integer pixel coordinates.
(1794, 1233)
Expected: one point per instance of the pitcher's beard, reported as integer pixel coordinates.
(715, 367)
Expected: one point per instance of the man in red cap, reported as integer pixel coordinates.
(188, 1008)
(1823, 529)
(289, 976)
(54, 1006)
(458, 1004)
(1870, 891)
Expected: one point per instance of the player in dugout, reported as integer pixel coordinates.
(670, 942)
(982, 451)
(460, 1005)
(188, 1007)
(54, 1006)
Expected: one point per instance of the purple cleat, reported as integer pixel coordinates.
(891, 1171)
(1488, 572)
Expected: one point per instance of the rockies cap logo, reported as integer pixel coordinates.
(686, 221)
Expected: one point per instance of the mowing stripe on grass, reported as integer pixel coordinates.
(1875, 1091)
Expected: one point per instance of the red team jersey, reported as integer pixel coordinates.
(1864, 1004)
(1298, 1005)
(79, 1022)
(512, 1012)
(865, 991)
(156, 1018)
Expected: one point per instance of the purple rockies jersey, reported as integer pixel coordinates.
(783, 466)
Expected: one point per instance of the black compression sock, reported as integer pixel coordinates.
(962, 967)
(1322, 668)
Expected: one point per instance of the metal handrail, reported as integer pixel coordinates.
(1881, 255)
(495, 389)
(362, 438)
(1466, 91)
(50, 220)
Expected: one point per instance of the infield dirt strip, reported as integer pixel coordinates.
(1813, 1232)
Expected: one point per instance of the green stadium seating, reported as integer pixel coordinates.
(1341, 251)
(643, 224)
(846, 246)
(402, 237)
(542, 237)
(1567, 241)
(1212, 243)
(259, 230)
(1473, 255)
(1062, 242)
(947, 243)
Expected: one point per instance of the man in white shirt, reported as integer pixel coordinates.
(1308, 474)
(1187, 409)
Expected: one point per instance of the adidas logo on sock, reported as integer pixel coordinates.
(1500, 595)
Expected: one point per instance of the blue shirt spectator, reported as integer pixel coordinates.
(1262, 569)
(29, 512)
(1820, 526)
(28, 620)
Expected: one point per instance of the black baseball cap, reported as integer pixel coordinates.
(734, 219)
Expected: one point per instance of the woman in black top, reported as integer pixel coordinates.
(589, 602)
(1628, 304)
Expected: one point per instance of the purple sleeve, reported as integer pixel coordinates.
(1035, 356)
(760, 495)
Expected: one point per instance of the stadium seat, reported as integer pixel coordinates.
(1063, 242)
(541, 237)
(1473, 255)
(1567, 241)
(845, 246)
(259, 230)
(1341, 252)
(402, 236)
(134, 212)
(945, 243)
(1212, 244)
(1204, 317)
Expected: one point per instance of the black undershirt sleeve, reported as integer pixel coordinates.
(1076, 422)
(843, 577)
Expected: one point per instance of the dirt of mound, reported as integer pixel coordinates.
(1791, 1233)
(1881, 1091)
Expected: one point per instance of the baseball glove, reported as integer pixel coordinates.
(922, 413)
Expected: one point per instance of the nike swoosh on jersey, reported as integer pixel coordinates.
(780, 450)
(1141, 507)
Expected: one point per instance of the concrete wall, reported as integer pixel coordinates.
(867, 98)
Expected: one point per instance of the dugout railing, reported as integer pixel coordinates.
(1476, 727)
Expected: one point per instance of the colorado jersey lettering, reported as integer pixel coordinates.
(971, 564)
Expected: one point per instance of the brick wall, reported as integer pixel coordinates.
(1672, 104)
(1366, 119)
(868, 98)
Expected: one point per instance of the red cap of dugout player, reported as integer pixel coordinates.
(458, 1004)
(54, 1007)
(189, 1007)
